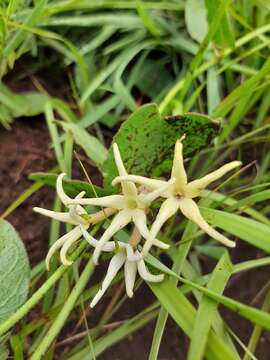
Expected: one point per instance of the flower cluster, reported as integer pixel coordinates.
(132, 206)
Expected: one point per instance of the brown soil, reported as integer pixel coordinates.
(25, 149)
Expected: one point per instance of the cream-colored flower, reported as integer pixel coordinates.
(125, 256)
(131, 206)
(76, 215)
(179, 195)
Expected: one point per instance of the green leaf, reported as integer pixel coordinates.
(89, 143)
(146, 141)
(207, 308)
(14, 271)
(224, 36)
(196, 19)
(184, 314)
(249, 230)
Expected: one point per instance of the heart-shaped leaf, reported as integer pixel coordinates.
(146, 141)
(14, 271)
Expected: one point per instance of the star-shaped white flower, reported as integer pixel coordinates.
(131, 206)
(125, 256)
(75, 216)
(179, 195)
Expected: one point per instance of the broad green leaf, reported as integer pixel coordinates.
(146, 141)
(249, 230)
(71, 187)
(14, 271)
(207, 308)
(89, 143)
(184, 314)
(196, 19)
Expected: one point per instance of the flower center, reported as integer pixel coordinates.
(132, 204)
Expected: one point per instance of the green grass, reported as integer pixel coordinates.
(114, 56)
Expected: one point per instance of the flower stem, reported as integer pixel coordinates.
(135, 238)
(64, 313)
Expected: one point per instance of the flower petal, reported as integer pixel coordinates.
(74, 235)
(152, 184)
(167, 210)
(139, 218)
(162, 191)
(57, 245)
(115, 265)
(109, 246)
(128, 187)
(178, 170)
(194, 188)
(130, 271)
(190, 209)
(60, 191)
(146, 275)
(131, 255)
(111, 201)
(60, 216)
(119, 221)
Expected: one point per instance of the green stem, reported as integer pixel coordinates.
(37, 296)
(64, 313)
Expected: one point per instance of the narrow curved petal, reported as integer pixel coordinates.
(178, 170)
(194, 188)
(57, 245)
(164, 190)
(167, 210)
(146, 275)
(115, 265)
(140, 220)
(128, 187)
(130, 271)
(190, 209)
(119, 221)
(60, 216)
(74, 235)
(109, 246)
(112, 201)
(153, 184)
(160, 244)
(60, 191)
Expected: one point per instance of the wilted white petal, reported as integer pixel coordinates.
(57, 245)
(194, 188)
(146, 275)
(153, 184)
(178, 170)
(111, 201)
(60, 216)
(190, 209)
(74, 235)
(129, 189)
(131, 255)
(167, 210)
(115, 265)
(76, 210)
(119, 221)
(164, 190)
(60, 191)
(130, 271)
(109, 246)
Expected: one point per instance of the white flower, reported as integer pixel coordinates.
(179, 195)
(131, 206)
(125, 256)
(75, 216)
